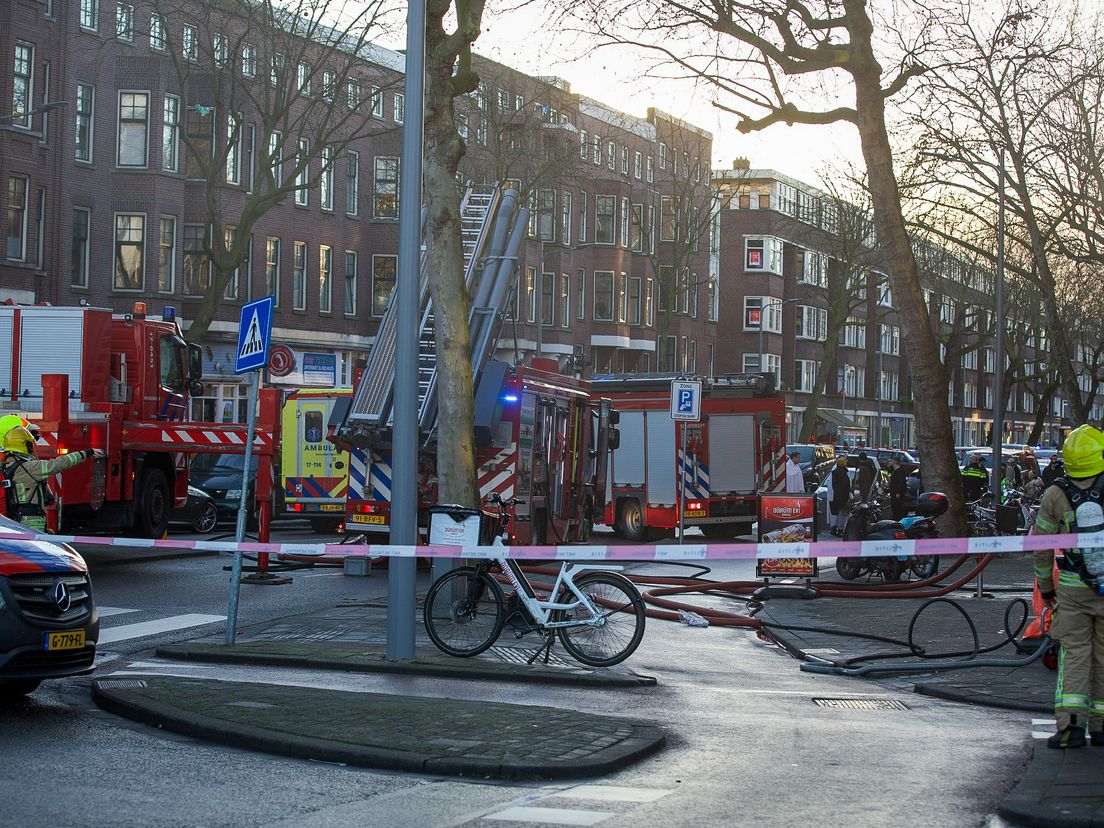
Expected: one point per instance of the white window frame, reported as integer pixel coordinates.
(302, 192)
(611, 296)
(82, 281)
(398, 108)
(88, 120)
(272, 266)
(377, 102)
(233, 147)
(171, 247)
(352, 183)
(663, 156)
(326, 180)
(90, 15)
(770, 248)
(157, 32)
(325, 278)
(805, 375)
(377, 181)
(119, 129)
(114, 252)
(189, 44)
(124, 22)
(249, 60)
(299, 265)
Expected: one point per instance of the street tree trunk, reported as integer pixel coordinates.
(934, 439)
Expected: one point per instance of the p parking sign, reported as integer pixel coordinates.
(686, 400)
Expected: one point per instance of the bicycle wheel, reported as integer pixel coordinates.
(463, 612)
(612, 636)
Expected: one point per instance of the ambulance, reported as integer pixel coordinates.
(314, 472)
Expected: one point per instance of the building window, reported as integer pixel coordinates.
(481, 131)
(636, 229)
(130, 248)
(805, 371)
(197, 265)
(711, 297)
(377, 102)
(86, 102)
(248, 60)
(326, 180)
(624, 222)
(353, 98)
(650, 176)
(218, 48)
(762, 312)
(580, 294)
(276, 70)
(133, 128)
(170, 133)
(303, 79)
(166, 256)
(611, 155)
(649, 302)
(565, 217)
(352, 183)
(814, 268)
(302, 163)
(229, 236)
(276, 157)
(853, 334)
(272, 267)
(668, 219)
(638, 164)
(548, 299)
(383, 282)
(812, 323)
(325, 270)
(189, 49)
(605, 209)
(663, 156)
(328, 82)
(885, 295)
(584, 143)
(385, 202)
(596, 150)
(90, 14)
(462, 126)
(565, 301)
(890, 341)
(545, 216)
(624, 160)
(635, 300)
(603, 296)
(299, 276)
(763, 253)
(398, 108)
(530, 294)
(582, 216)
(233, 148)
(350, 282)
(78, 272)
(124, 22)
(23, 85)
(17, 218)
(201, 127)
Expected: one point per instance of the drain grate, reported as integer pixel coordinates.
(121, 684)
(516, 656)
(861, 704)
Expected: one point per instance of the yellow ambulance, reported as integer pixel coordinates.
(314, 472)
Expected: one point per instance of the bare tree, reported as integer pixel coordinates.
(293, 78)
(750, 52)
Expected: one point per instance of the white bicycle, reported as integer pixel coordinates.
(597, 613)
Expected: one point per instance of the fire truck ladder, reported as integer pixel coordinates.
(371, 408)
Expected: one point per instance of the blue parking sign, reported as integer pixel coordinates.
(686, 400)
(254, 335)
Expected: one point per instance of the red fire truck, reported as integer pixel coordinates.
(90, 378)
(735, 451)
(541, 437)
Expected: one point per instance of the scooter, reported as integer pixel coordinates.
(864, 524)
(929, 506)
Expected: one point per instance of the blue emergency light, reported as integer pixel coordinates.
(169, 314)
(510, 398)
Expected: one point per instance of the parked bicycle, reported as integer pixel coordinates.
(597, 613)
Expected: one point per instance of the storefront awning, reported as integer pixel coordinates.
(831, 415)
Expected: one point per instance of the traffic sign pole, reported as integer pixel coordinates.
(254, 338)
(685, 408)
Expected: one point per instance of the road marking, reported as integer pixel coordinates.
(553, 816)
(140, 630)
(614, 793)
(107, 612)
(1044, 721)
(1035, 734)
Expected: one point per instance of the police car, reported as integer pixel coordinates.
(48, 619)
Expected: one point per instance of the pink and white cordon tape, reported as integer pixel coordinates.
(654, 552)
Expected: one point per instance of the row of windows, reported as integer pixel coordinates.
(134, 235)
(634, 227)
(615, 297)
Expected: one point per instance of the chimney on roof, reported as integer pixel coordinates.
(741, 164)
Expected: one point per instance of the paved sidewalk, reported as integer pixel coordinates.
(1059, 788)
(410, 733)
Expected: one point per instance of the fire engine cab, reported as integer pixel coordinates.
(735, 451)
(91, 378)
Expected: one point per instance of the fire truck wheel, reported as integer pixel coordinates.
(630, 523)
(153, 508)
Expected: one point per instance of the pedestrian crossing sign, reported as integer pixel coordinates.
(254, 331)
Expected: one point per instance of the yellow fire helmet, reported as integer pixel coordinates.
(1083, 452)
(10, 421)
(19, 440)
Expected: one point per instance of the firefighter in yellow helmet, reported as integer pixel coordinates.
(26, 476)
(1075, 503)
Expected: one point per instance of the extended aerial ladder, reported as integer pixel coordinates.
(492, 226)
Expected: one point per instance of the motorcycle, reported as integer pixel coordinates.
(864, 523)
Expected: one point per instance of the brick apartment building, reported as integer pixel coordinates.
(785, 257)
(102, 205)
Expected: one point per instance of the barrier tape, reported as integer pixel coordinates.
(665, 552)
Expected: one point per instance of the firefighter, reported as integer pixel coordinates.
(1073, 504)
(974, 480)
(27, 495)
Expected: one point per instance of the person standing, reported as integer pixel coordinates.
(839, 495)
(898, 488)
(27, 494)
(1074, 504)
(795, 477)
(974, 480)
(1052, 470)
(865, 475)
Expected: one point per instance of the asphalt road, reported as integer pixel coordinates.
(748, 743)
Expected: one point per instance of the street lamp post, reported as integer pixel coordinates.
(34, 110)
(849, 371)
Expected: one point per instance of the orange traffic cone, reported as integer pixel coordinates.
(1035, 628)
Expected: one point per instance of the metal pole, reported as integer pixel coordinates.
(679, 499)
(998, 379)
(762, 313)
(540, 303)
(879, 440)
(401, 572)
(239, 533)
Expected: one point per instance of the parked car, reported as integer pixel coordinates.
(48, 620)
(815, 459)
(852, 472)
(220, 476)
(907, 459)
(200, 512)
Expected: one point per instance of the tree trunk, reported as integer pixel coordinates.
(820, 390)
(455, 395)
(209, 305)
(933, 417)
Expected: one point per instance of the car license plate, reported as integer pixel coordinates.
(694, 513)
(71, 640)
(368, 519)
(331, 507)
